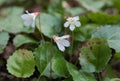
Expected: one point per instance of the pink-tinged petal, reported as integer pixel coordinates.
(77, 23)
(65, 43)
(76, 18)
(29, 19)
(60, 46)
(54, 37)
(57, 38)
(72, 27)
(66, 24)
(65, 37)
(36, 13)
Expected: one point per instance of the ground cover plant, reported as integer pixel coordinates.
(59, 40)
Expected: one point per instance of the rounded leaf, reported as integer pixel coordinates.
(93, 5)
(4, 37)
(21, 63)
(84, 32)
(22, 39)
(42, 58)
(12, 22)
(115, 79)
(77, 75)
(50, 24)
(95, 55)
(111, 33)
(59, 66)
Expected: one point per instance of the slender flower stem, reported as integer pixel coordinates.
(38, 78)
(99, 76)
(51, 60)
(41, 30)
(72, 39)
(72, 43)
(65, 30)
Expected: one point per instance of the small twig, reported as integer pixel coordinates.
(51, 60)
(41, 30)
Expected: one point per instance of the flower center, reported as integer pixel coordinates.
(31, 17)
(72, 21)
(59, 41)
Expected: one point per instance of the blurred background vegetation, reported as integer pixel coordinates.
(93, 13)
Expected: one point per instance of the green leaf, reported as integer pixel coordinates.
(39, 79)
(68, 79)
(59, 66)
(8, 2)
(84, 20)
(77, 75)
(42, 58)
(22, 39)
(75, 11)
(21, 63)
(110, 72)
(50, 24)
(115, 79)
(4, 37)
(117, 55)
(95, 55)
(56, 6)
(116, 3)
(2, 2)
(92, 5)
(84, 32)
(103, 18)
(111, 34)
(12, 22)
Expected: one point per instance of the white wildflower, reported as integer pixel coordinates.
(62, 42)
(72, 22)
(29, 18)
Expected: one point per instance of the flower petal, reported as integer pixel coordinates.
(27, 23)
(76, 18)
(66, 24)
(33, 24)
(33, 15)
(25, 16)
(72, 27)
(27, 12)
(77, 23)
(65, 36)
(60, 46)
(69, 18)
(65, 43)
